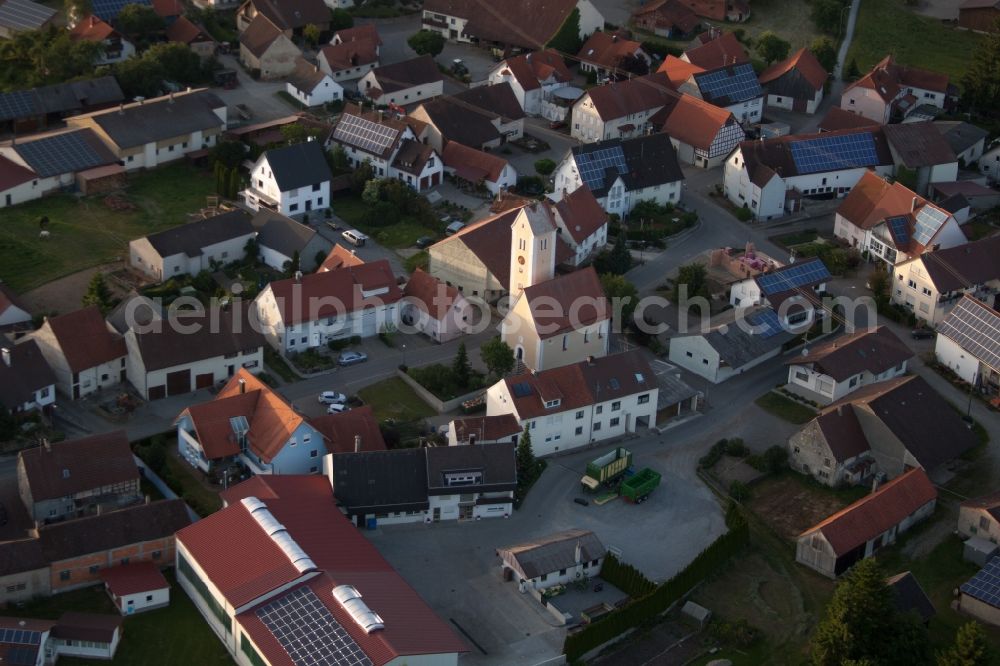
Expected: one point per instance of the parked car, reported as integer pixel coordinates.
(424, 242)
(922, 333)
(332, 398)
(337, 409)
(557, 124)
(581, 501)
(354, 237)
(454, 228)
(351, 358)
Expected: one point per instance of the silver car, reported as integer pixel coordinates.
(351, 358)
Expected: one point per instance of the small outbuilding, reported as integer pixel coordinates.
(137, 587)
(556, 559)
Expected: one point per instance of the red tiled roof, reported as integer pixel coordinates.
(95, 627)
(339, 257)
(350, 54)
(85, 339)
(606, 50)
(134, 578)
(874, 199)
(553, 303)
(529, 24)
(581, 213)
(719, 52)
(184, 31)
(988, 503)
(359, 33)
(63, 469)
(339, 430)
(668, 14)
(874, 514)
(802, 60)
(13, 174)
(486, 428)
(430, 294)
(643, 93)
(842, 432)
(887, 77)
(333, 293)
(168, 8)
(677, 70)
(92, 29)
(838, 119)
(471, 164)
(305, 506)
(692, 121)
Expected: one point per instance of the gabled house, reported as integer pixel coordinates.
(289, 16)
(296, 583)
(249, 423)
(267, 50)
(581, 222)
(482, 117)
(904, 424)
(791, 291)
(892, 91)
(518, 25)
(339, 257)
(832, 369)
(979, 15)
(473, 430)
(26, 380)
(403, 83)
(989, 163)
(134, 588)
(604, 51)
(438, 311)
(796, 83)
(713, 49)
(167, 359)
(577, 405)
(115, 47)
(966, 140)
(193, 247)
(308, 311)
(34, 108)
(533, 77)
(909, 597)
(351, 53)
(291, 180)
(838, 119)
(78, 477)
(978, 596)
(771, 177)
(860, 530)
(980, 517)
(976, 197)
(155, 131)
(185, 31)
(478, 168)
(703, 134)
(485, 477)
(734, 88)
(619, 110)
(280, 239)
(922, 154)
(396, 152)
(17, 16)
(930, 284)
(355, 430)
(312, 86)
(666, 18)
(735, 11)
(622, 172)
(893, 223)
(968, 343)
(555, 559)
(83, 351)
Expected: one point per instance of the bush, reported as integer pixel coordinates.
(626, 577)
(744, 214)
(736, 448)
(442, 381)
(714, 454)
(545, 166)
(739, 491)
(339, 345)
(739, 634)
(776, 458)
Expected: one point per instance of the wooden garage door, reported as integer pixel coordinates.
(179, 382)
(157, 392)
(203, 380)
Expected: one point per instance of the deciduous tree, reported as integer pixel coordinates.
(497, 356)
(426, 42)
(772, 48)
(971, 648)
(825, 51)
(98, 293)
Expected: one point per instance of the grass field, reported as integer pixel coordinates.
(785, 408)
(85, 232)
(887, 26)
(393, 399)
(183, 482)
(167, 636)
(788, 20)
(351, 209)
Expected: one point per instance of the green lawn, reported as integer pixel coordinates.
(275, 361)
(85, 232)
(788, 20)
(420, 260)
(785, 408)
(351, 209)
(183, 482)
(167, 636)
(393, 399)
(888, 26)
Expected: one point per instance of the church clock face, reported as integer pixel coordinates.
(520, 259)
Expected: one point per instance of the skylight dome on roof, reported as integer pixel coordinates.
(349, 597)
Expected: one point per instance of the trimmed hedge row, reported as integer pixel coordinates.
(626, 577)
(659, 600)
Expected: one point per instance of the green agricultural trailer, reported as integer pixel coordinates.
(606, 469)
(637, 487)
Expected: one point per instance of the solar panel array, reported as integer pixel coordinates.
(62, 153)
(109, 9)
(594, 164)
(729, 84)
(21, 656)
(522, 390)
(976, 329)
(20, 636)
(929, 220)
(985, 585)
(899, 227)
(308, 632)
(364, 134)
(766, 323)
(797, 275)
(18, 104)
(829, 153)
(24, 14)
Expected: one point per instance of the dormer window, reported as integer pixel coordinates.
(549, 404)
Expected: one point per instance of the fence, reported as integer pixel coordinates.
(436, 403)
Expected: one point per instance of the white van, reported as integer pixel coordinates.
(355, 237)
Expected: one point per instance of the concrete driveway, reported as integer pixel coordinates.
(478, 61)
(258, 95)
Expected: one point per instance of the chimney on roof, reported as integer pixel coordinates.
(875, 483)
(357, 443)
(614, 39)
(243, 385)
(840, 410)
(578, 553)
(913, 204)
(298, 276)
(33, 531)
(590, 360)
(5, 353)
(121, 108)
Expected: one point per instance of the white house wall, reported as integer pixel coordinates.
(950, 354)
(404, 97)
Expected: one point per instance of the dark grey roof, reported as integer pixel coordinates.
(738, 347)
(28, 371)
(66, 152)
(954, 203)
(381, 481)
(190, 238)
(298, 165)
(649, 160)
(553, 552)
(141, 309)
(498, 98)
(909, 596)
(495, 461)
(407, 74)
(60, 98)
(21, 15)
(161, 118)
(280, 233)
(919, 144)
(673, 390)
(462, 122)
(959, 134)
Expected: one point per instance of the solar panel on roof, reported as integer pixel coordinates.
(929, 220)
(364, 134)
(522, 389)
(793, 277)
(59, 154)
(109, 9)
(21, 656)
(976, 329)
(309, 633)
(20, 636)
(17, 104)
(899, 227)
(829, 153)
(985, 585)
(730, 85)
(593, 165)
(24, 14)
(765, 323)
